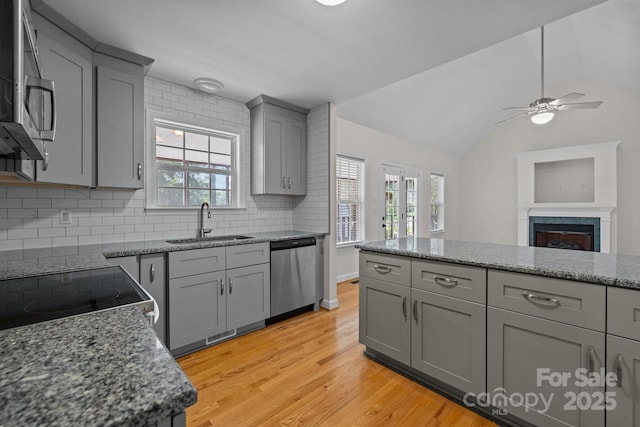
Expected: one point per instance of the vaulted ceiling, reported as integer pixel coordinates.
(433, 72)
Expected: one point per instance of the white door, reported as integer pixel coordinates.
(399, 202)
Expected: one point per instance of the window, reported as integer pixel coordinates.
(437, 202)
(189, 165)
(350, 200)
(400, 202)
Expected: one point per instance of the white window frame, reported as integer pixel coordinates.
(154, 118)
(440, 203)
(360, 231)
(403, 172)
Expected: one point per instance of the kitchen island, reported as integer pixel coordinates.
(106, 368)
(485, 324)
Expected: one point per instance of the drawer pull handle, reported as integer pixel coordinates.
(619, 363)
(383, 269)
(415, 311)
(404, 307)
(230, 286)
(152, 273)
(445, 281)
(592, 359)
(542, 300)
(222, 287)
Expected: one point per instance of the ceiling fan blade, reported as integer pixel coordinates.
(513, 117)
(579, 105)
(568, 97)
(518, 108)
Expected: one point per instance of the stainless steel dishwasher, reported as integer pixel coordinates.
(293, 274)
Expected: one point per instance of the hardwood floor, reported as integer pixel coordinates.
(310, 371)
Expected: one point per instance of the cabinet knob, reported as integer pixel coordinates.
(139, 170)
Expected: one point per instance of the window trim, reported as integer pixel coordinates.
(444, 210)
(363, 202)
(156, 117)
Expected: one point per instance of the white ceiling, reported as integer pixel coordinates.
(431, 72)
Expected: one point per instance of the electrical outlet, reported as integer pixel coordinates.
(65, 216)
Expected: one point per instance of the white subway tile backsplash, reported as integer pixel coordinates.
(30, 217)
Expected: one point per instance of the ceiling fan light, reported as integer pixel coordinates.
(331, 2)
(542, 118)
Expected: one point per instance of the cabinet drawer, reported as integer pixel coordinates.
(386, 267)
(243, 255)
(196, 261)
(623, 312)
(468, 283)
(575, 303)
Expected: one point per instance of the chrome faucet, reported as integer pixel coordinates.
(202, 231)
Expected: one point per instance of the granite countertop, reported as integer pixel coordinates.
(33, 262)
(590, 267)
(100, 369)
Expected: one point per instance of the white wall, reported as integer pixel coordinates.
(378, 148)
(488, 171)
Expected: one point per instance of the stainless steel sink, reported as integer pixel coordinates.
(209, 239)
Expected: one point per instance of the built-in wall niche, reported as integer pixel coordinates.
(564, 181)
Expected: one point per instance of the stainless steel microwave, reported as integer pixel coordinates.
(27, 101)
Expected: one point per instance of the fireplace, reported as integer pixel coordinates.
(575, 233)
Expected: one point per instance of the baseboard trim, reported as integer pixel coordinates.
(330, 304)
(348, 276)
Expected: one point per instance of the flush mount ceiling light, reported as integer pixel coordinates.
(542, 110)
(208, 85)
(331, 2)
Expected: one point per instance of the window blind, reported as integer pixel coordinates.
(350, 199)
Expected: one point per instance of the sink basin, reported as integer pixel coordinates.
(209, 239)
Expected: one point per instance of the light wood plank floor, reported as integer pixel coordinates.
(310, 371)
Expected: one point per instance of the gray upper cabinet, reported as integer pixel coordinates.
(68, 63)
(278, 147)
(119, 123)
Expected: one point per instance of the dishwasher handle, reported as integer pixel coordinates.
(292, 243)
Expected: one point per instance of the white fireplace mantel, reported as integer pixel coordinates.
(604, 203)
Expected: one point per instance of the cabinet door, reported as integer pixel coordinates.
(120, 128)
(623, 358)
(196, 308)
(521, 348)
(248, 298)
(153, 280)
(296, 157)
(448, 340)
(274, 153)
(384, 318)
(71, 153)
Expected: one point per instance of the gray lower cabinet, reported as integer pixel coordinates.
(119, 123)
(129, 263)
(623, 359)
(214, 292)
(197, 308)
(384, 318)
(448, 340)
(248, 297)
(521, 346)
(153, 280)
(68, 63)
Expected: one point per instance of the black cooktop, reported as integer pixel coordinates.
(40, 298)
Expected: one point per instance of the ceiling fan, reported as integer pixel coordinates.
(542, 110)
